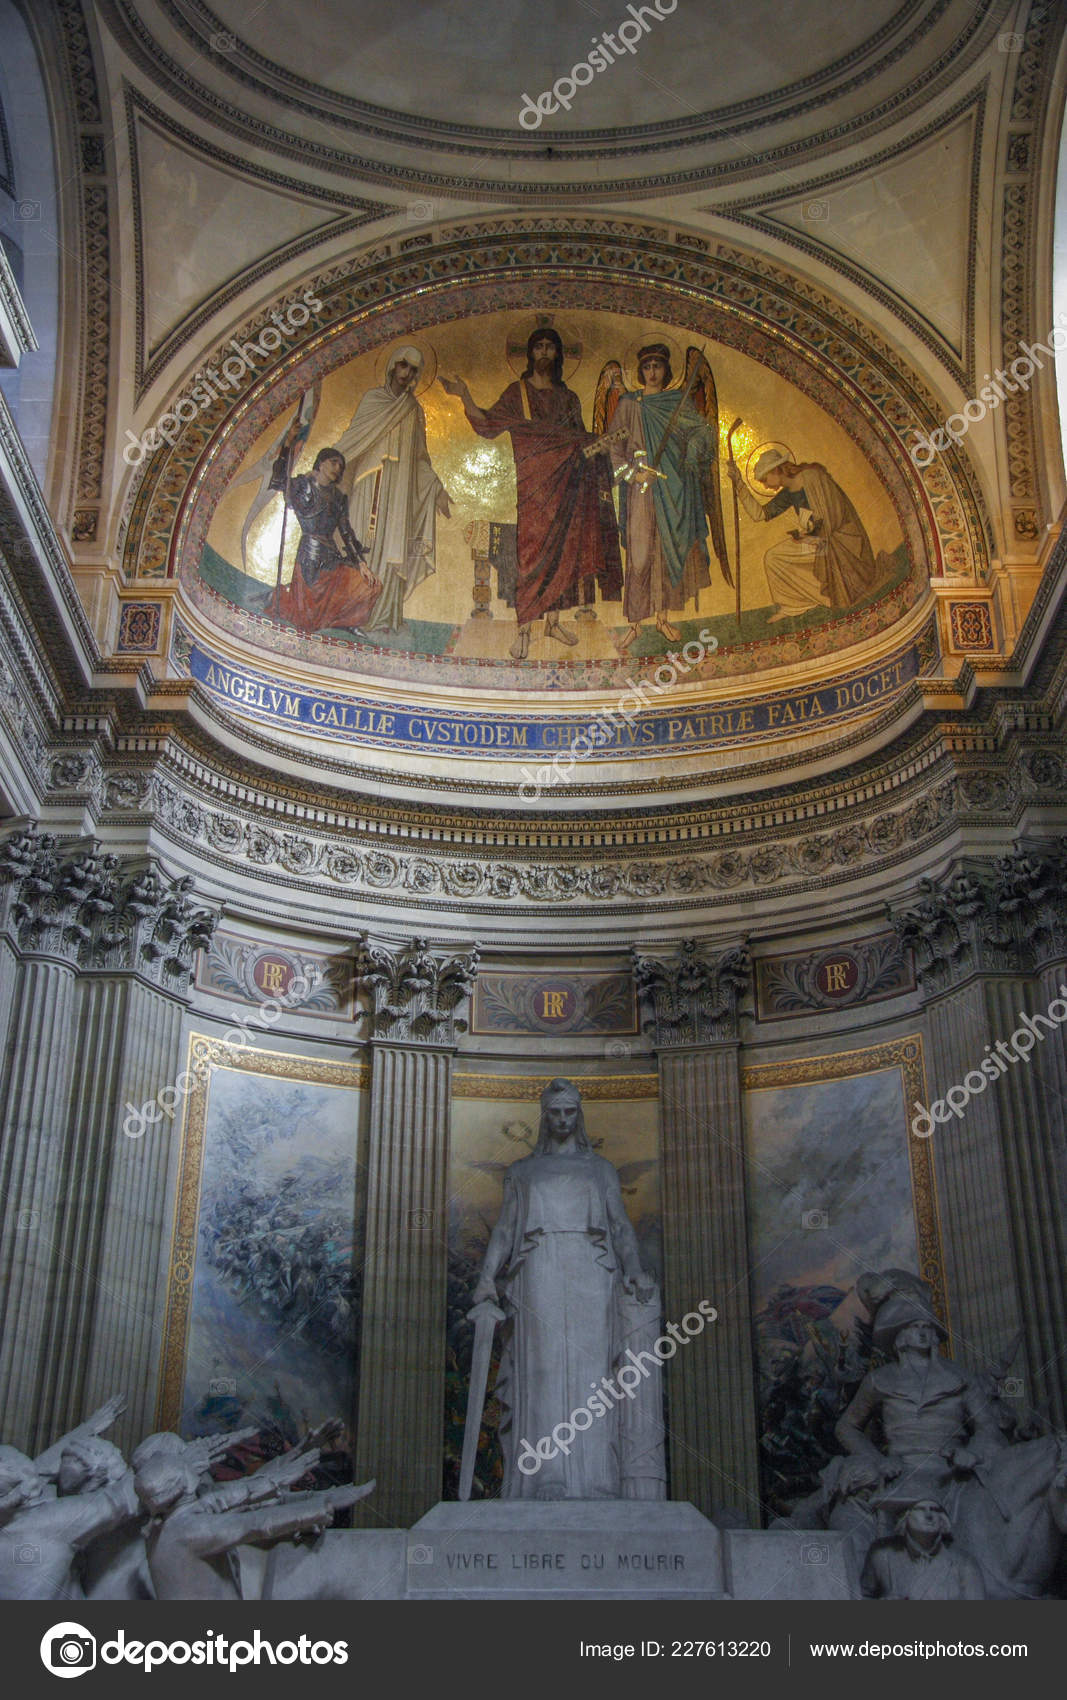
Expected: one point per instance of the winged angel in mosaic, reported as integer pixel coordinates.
(664, 443)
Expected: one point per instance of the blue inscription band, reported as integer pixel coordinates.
(614, 731)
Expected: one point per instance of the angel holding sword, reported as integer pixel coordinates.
(665, 450)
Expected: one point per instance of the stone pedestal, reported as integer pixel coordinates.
(567, 1549)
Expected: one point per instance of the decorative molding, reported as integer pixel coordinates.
(806, 860)
(836, 977)
(16, 332)
(971, 627)
(94, 399)
(251, 971)
(414, 993)
(88, 909)
(696, 998)
(140, 625)
(1033, 80)
(515, 1004)
(614, 1088)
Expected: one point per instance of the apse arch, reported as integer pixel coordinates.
(486, 277)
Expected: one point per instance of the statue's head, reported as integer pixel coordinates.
(161, 1444)
(900, 1306)
(162, 1482)
(87, 1464)
(925, 1524)
(561, 1117)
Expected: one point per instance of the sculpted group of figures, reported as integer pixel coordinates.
(940, 1494)
(362, 554)
(80, 1523)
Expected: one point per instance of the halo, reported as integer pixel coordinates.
(517, 340)
(429, 362)
(677, 356)
(761, 448)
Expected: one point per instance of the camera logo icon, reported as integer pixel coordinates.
(815, 1219)
(68, 1649)
(420, 1555)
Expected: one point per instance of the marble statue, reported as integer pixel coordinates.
(921, 1561)
(944, 1440)
(191, 1538)
(44, 1534)
(563, 1262)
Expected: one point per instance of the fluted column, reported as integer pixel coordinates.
(693, 1002)
(973, 1181)
(104, 958)
(987, 940)
(33, 1116)
(105, 1333)
(414, 998)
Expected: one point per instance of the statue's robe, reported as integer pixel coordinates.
(569, 1322)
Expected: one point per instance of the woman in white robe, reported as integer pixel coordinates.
(576, 1297)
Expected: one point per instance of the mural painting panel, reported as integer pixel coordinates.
(513, 492)
(264, 1296)
(837, 1187)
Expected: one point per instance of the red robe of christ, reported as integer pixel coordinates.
(567, 532)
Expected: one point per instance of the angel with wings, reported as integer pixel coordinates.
(664, 442)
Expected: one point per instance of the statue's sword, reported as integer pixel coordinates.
(485, 1317)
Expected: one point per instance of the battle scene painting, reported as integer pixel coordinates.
(274, 1300)
(833, 1192)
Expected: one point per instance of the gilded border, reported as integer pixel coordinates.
(203, 1050)
(615, 1087)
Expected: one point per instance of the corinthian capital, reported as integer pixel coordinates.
(81, 903)
(695, 998)
(414, 993)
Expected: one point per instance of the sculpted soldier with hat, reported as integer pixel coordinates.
(936, 1420)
